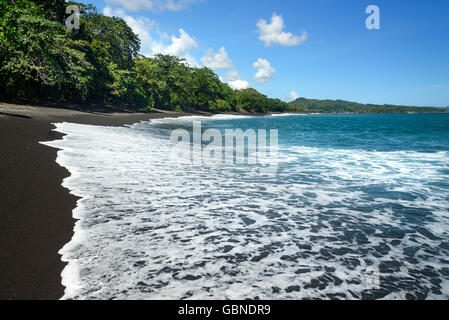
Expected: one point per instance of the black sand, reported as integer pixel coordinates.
(35, 210)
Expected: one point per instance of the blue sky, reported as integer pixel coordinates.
(318, 49)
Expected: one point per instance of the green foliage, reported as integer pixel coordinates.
(169, 83)
(42, 59)
(253, 101)
(121, 45)
(53, 10)
(112, 48)
(38, 57)
(341, 106)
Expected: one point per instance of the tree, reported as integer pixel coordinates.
(252, 100)
(112, 48)
(120, 43)
(38, 57)
(53, 10)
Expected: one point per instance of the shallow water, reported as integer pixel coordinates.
(359, 208)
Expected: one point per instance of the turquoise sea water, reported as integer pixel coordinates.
(358, 208)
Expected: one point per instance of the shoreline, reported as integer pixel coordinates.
(36, 211)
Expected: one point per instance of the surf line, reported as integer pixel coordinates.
(237, 146)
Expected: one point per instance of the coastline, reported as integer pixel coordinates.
(36, 210)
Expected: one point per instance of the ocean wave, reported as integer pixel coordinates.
(343, 224)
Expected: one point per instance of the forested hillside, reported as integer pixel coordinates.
(341, 106)
(42, 60)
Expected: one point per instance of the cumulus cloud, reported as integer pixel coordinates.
(238, 84)
(144, 28)
(235, 81)
(273, 34)
(294, 95)
(180, 46)
(217, 60)
(264, 72)
(152, 5)
(232, 75)
(221, 61)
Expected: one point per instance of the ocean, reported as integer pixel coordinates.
(358, 208)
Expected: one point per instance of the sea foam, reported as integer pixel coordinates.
(333, 223)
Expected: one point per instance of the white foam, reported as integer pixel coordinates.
(148, 226)
(287, 114)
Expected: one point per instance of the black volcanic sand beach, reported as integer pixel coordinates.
(35, 210)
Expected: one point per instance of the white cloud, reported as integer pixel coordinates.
(264, 72)
(294, 95)
(143, 27)
(217, 61)
(152, 5)
(234, 80)
(190, 60)
(273, 34)
(238, 84)
(232, 75)
(180, 46)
